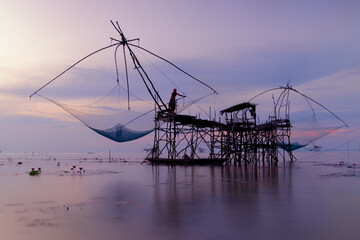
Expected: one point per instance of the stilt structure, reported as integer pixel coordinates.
(184, 139)
(237, 138)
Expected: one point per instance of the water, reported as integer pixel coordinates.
(316, 197)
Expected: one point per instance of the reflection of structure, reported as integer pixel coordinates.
(178, 138)
(237, 198)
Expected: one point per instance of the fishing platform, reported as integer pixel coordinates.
(235, 138)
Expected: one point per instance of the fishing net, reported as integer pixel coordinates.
(310, 120)
(143, 85)
(113, 122)
(306, 131)
(120, 125)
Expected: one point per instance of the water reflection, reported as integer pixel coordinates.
(213, 202)
(301, 201)
(193, 182)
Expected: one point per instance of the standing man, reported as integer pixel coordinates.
(172, 102)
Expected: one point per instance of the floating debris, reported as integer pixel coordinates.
(34, 172)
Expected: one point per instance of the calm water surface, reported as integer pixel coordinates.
(314, 197)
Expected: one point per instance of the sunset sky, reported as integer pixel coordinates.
(238, 47)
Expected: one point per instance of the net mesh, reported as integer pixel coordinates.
(126, 112)
(310, 121)
(120, 125)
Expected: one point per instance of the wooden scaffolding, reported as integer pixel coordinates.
(184, 139)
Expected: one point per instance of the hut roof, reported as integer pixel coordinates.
(238, 107)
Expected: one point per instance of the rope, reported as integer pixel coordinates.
(99, 50)
(303, 95)
(172, 64)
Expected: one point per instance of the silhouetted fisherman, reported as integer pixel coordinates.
(172, 102)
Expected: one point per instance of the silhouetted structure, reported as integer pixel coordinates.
(184, 139)
(235, 138)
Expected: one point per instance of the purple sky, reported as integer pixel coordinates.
(238, 47)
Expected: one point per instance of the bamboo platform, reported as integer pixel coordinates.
(236, 139)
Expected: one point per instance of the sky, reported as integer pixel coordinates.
(240, 48)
